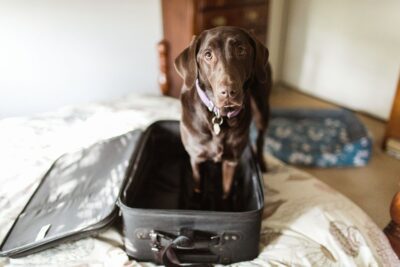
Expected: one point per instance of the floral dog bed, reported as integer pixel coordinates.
(318, 137)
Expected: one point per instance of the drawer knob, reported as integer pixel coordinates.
(219, 21)
(251, 15)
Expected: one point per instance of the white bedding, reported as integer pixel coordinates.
(306, 223)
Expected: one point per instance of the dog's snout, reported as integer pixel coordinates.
(227, 92)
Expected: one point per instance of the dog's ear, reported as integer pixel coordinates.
(186, 63)
(261, 66)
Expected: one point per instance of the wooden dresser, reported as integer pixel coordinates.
(184, 18)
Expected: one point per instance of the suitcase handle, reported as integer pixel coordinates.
(166, 247)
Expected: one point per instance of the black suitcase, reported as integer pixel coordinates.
(163, 221)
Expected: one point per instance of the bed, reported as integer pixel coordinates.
(305, 222)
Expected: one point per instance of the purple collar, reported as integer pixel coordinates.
(210, 105)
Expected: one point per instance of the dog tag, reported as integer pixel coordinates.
(217, 121)
(216, 128)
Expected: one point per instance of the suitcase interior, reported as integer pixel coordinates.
(163, 178)
(159, 196)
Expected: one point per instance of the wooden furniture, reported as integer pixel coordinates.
(393, 126)
(392, 230)
(184, 18)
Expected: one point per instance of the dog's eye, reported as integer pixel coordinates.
(241, 51)
(208, 55)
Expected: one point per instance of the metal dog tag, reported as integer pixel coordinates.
(217, 121)
(216, 128)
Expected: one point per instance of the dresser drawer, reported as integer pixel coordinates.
(209, 4)
(253, 18)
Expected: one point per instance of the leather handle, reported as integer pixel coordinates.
(165, 248)
(170, 259)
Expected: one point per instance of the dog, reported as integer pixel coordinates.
(227, 82)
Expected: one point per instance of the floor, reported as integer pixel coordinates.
(371, 187)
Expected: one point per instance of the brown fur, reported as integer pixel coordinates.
(232, 67)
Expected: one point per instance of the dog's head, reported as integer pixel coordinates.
(227, 61)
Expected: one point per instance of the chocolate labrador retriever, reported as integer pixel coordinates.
(227, 79)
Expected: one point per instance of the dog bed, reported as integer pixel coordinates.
(318, 138)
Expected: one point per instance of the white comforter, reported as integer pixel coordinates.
(306, 223)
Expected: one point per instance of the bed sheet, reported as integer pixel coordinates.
(305, 222)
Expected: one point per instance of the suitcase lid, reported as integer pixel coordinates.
(82, 186)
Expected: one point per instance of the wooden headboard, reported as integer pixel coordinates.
(392, 230)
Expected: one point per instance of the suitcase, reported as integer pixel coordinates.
(143, 178)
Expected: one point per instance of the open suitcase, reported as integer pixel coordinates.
(145, 179)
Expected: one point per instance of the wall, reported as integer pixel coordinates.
(347, 52)
(55, 53)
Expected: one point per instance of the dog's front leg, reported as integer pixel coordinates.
(228, 171)
(196, 175)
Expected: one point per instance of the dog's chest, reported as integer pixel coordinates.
(214, 149)
(227, 145)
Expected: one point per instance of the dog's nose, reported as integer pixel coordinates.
(227, 92)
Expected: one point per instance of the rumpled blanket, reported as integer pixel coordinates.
(305, 222)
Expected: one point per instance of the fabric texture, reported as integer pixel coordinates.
(305, 223)
(318, 138)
